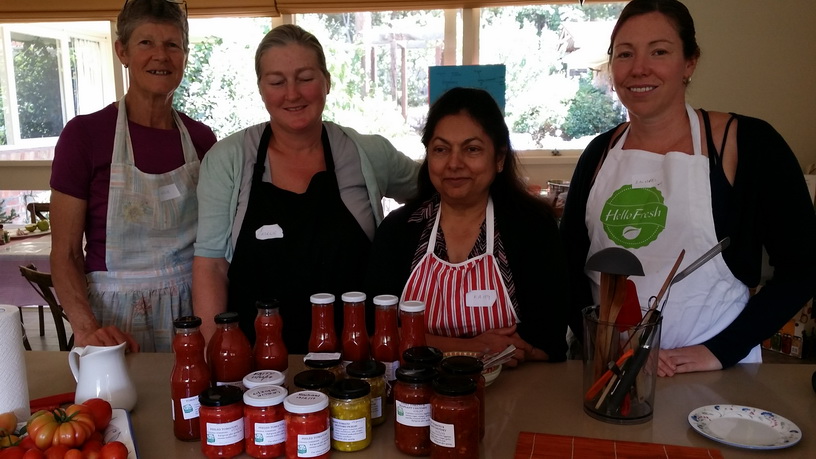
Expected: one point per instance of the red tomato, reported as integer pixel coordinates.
(13, 452)
(56, 452)
(92, 445)
(27, 443)
(114, 450)
(101, 411)
(73, 454)
(33, 453)
(8, 423)
(96, 436)
(69, 427)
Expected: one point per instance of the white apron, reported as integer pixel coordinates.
(151, 227)
(655, 206)
(461, 299)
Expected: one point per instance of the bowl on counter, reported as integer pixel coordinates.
(490, 374)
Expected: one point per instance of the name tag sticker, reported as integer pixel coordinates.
(646, 180)
(168, 192)
(269, 232)
(480, 298)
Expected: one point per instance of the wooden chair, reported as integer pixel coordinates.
(41, 282)
(36, 209)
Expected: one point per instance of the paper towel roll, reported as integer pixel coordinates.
(13, 382)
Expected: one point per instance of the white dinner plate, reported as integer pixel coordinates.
(744, 426)
(120, 429)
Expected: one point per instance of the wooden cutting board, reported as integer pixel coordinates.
(537, 445)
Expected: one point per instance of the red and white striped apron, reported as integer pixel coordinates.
(461, 299)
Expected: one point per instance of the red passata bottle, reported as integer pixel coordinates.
(270, 351)
(412, 329)
(385, 342)
(189, 378)
(228, 352)
(355, 336)
(323, 337)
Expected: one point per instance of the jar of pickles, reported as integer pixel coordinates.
(412, 399)
(222, 421)
(264, 378)
(317, 380)
(454, 428)
(464, 365)
(350, 410)
(326, 361)
(307, 425)
(373, 373)
(264, 426)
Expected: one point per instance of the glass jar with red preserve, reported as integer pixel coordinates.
(385, 342)
(471, 367)
(190, 377)
(269, 351)
(454, 428)
(264, 426)
(222, 421)
(412, 399)
(425, 355)
(323, 337)
(412, 326)
(373, 373)
(326, 361)
(354, 336)
(314, 380)
(307, 425)
(228, 352)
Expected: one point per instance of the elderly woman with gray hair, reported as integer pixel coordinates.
(124, 180)
(288, 207)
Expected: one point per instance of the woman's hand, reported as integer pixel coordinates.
(686, 360)
(490, 342)
(107, 336)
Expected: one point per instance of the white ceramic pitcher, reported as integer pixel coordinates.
(100, 372)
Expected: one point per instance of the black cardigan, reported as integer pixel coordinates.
(768, 205)
(534, 253)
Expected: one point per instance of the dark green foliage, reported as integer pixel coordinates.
(36, 73)
(590, 112)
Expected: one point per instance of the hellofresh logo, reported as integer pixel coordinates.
(634, 217)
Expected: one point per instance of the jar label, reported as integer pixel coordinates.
(313, 445)
(269, 433)
(226, 433)
(376, 407)
(189, 408)
(391, 370)
(414, 415)
(442, 434)
(348, 430)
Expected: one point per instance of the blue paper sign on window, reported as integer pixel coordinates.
(491, 78)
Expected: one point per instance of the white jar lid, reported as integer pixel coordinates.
(322, 298)
(307, 401)
(385, 300)
(264, 377)
(353, 297)
(412, 306)
(265, 395)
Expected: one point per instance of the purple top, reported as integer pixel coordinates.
(82, 160)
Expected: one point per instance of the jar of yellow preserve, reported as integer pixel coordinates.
(350, 411)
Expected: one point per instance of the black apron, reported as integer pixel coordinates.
(323, 250)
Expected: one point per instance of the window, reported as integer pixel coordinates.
(50, 73)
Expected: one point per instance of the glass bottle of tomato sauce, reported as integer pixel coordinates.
(454, 428)
(412, 329)
(354, 335)
(385, 342)
(269, 351)
(412, 398)
(307, 425)
(222, 421)
(228, 352)
(323, 337)
(190, 377)
(264, 426)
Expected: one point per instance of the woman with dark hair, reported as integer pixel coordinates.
(289, 206)
(480, 251)
(124, 179)
(674, 178)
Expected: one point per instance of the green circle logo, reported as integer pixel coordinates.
(634, 217)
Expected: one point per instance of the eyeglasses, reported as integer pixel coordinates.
(175, 2)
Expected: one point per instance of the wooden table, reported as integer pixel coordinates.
(537, 397)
